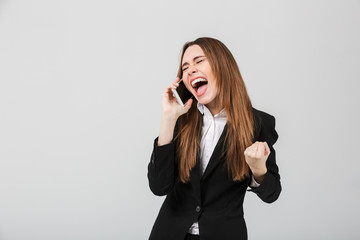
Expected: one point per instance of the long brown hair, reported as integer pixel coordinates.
(234, 98)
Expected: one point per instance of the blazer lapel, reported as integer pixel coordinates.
(216, 155)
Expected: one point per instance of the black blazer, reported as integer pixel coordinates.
(214, 199)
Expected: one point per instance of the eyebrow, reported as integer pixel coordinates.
(194, 59)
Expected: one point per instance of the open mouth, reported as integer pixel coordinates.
(199, 85)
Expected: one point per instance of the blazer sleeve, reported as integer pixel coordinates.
(162, 170)
(270, 188)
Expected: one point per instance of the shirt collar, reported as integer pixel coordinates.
(204, 110)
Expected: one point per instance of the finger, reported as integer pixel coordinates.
(168, 91)
(169, 94)
(188, 104)
(177, 80)
(261, 150)
(254, 149)
(249, 150)
(173, 86)
(267, 149)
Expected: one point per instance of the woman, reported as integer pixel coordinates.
(208, 153)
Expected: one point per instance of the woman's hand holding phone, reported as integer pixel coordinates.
(171, 110)
(170, 106)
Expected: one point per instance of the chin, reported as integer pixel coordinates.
(204, 100)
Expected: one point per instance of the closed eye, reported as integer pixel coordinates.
(197, 62)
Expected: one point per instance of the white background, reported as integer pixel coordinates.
(80, 93)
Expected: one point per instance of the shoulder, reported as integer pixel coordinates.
(262, 116)
(264, 123)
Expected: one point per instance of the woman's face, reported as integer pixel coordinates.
(198, 76)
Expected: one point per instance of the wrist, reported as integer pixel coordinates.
(169, 116)
(166, 129)
(168, 119)
(259, 174)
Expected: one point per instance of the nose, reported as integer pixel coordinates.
(192, 69)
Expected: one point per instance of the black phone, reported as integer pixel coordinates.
(181, 93)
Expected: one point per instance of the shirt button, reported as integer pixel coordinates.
(198, 209)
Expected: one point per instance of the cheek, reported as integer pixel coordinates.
(214, 90)
(207, 69)
(187, 85)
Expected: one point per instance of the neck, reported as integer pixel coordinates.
(213, 108)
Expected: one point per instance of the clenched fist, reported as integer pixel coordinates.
(256, 156)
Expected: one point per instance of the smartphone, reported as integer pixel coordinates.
(181, 93)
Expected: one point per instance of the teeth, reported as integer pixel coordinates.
(198, 80)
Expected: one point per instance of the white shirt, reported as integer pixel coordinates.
(211, 131)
